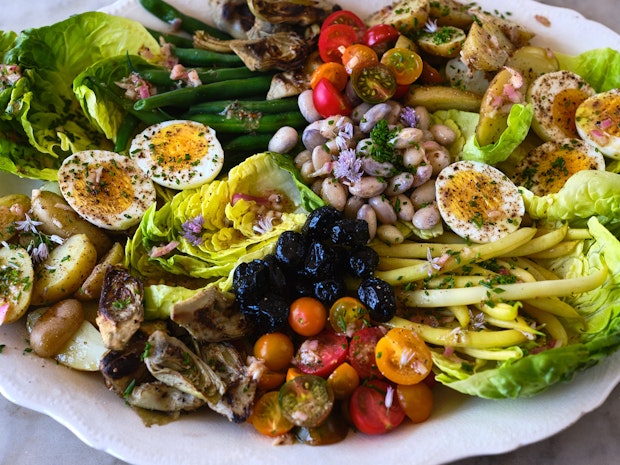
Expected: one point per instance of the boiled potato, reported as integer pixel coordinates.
(55, 326)
(60, 219)
(407, 16)
(13, 208)
(451, 13)
(514, 32)
(486, 47)
(533, 61)
(16, 278)
(436, 98)
(91, 288)
(62, 273)
(445, 42)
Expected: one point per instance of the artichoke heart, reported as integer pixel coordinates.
(170, 361)
(302, 12)
(284, 50)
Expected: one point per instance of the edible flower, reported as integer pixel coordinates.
(409, 117)
(348, 166)
(192, 229)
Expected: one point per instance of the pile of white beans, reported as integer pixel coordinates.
(383, 196)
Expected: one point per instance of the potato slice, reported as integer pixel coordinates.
(65, 269)
(436, 98)
(407, 16)
(486, 47)
(13, 208)
(16, 278)
(91, 288)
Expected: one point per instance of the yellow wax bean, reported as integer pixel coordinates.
(539, 272)
(553, 326)
(414, 249)
(500, 310)
(492, 354)
(554, 306)
(559, 250)
(542, 242)
(518, 324)
(461, 313)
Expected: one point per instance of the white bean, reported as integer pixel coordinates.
(334, 193)
(423, 194)
(424, 118)
(301, 158)
(330, 127)
(284, 140)
(383, 208)
(422, 174)
(367, 213)
(407, 137)
(403, 206)
(358, 112)
(311, 137)
(320, 157)
(437, 155)
(306, 106)
(367, 186)
(307, 171)
(375, 114)
(426, 217)
(363, 147)
(390, 234)
(413, 156)
(354, 203)
(443, 134)
(373, 167)
(400, 183)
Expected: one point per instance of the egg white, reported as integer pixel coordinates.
(107, 189)
(598, 122)
(179, 154)
(478, 202)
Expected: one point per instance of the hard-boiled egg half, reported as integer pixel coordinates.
(178, 154)
(555, 97)
(598, 122)
(478, 202)
(106, 188)
(546, 168)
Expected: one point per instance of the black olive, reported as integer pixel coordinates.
(321, 262)
(349, 232)
(362, 262)
(278, 281)
(251, 280)
(268, 314)
(329, 290)
(378, 296)
(320, 221)
(291, 248)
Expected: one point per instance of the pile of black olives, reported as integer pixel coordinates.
(327, 260)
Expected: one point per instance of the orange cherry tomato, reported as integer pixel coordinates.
(267, 417)
(333, 72)
(271, 380)
(403, 357)
(307, 316)
(343, 381)
(358, 55)
(347, 315)
(275, 349)
(405, 64)
(416, 400)
(293, 372)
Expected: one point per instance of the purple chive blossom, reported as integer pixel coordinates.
(409, 117)
(39, 253)
(432, 263)
(192, 229)
(28, 225)
(344, 135)
(431, 26)
(348, 166)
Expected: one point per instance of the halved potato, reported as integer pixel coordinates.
(91, 287)
(16, 278)
(13, 207)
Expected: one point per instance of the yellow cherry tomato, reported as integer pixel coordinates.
(405, 64)
(275, 349)
(332, 71)
(343, 381)
(403, 357)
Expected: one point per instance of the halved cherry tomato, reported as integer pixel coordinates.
(270, 380)
(347, 315)
(306, 400)
(430, 75)
(404, 63)
(335, 38)
(416, 400)
(401, 91)
(346, 17)
(380, 37)
(321, 354)
(292, 372)
(332, 430)
(267, 417)
(374, 408)
(374, 83)
(403, 357)
(362, 351)
(275, 349)
(343, 381)
(358, 55)
(307, 316)
(328, 101)
(333, 72)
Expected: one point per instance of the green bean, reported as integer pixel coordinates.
(171, 15)
(201, 57)
(260, 124)
(161, 77)
(238, 148)
(240, 106)
(173, 39)
(186, 96)
(125, 132)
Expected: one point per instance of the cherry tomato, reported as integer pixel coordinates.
(380, 37)
(346, 17)
(374, 83)
(267, 417)
(328, 101)
(358, 55)
(374, 408)
(401, 91)
(362, 351)
(404, 63)
(416, 400)
(306, 400)
(275, 349)
(334, 429)
(270, 380)
(292, 372)
(403, 357)
(321, 354)
(333, 72)
(430, 75)
(343, 381)
(335, 38)
(307, 316)
(347, 315)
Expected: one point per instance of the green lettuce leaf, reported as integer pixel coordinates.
(599, 67)
(534, 373)
(42, 105)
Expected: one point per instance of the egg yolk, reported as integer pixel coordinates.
(564, 107)
(107, 189)
(179, 146)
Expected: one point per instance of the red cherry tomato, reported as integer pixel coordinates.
(328, 101)
(307, 316)
(380, 37)
(335, 38)
(430, 75)
(346, 17)
(401, 91)
(362, 351)
(374, 408)
(322, 354)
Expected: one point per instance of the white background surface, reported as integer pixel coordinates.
(30, 438)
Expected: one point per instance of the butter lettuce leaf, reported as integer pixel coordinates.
(599, 67)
